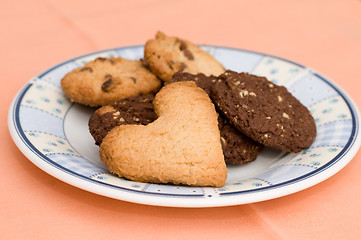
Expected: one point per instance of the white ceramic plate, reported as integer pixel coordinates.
(53, 133)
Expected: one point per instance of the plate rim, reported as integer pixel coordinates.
(287, 188)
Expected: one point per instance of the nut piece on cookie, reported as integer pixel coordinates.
(167, 55)
(181, 147)
(105, 80)
(264, 111)
(132, 110)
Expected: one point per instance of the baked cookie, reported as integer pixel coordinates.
(265, 112)
(202, 81)
(105, 80)
(132, 110)
(167, 55)
(181, 147)
(237, 147)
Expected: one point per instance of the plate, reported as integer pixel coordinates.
(52, 132)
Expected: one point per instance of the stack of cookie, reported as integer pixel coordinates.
(177, 116)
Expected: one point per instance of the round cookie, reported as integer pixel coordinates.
(267, 113)
(202, 81)
(167, 55)
(237, 147)
(105, 80)
(132, 110)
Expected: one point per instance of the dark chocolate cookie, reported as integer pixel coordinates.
(133, 110)
(264, 111)
(202, 81)
(237, 147)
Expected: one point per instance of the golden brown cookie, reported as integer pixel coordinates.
(167, 55)
(181, 147)
(105, 80)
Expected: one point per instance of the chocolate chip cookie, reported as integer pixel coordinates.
(167, 55)
(264, 111)
(105, 80)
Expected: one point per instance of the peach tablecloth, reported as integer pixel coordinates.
(324, 35)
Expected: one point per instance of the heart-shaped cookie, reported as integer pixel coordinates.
(181, 147)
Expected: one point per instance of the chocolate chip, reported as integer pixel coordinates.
(183, 45)
(134, 79)
(100, 59)
(106, 86)
(144, 62)
(188, 54)
(86, 69)
(182, 67)
(170, 64)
